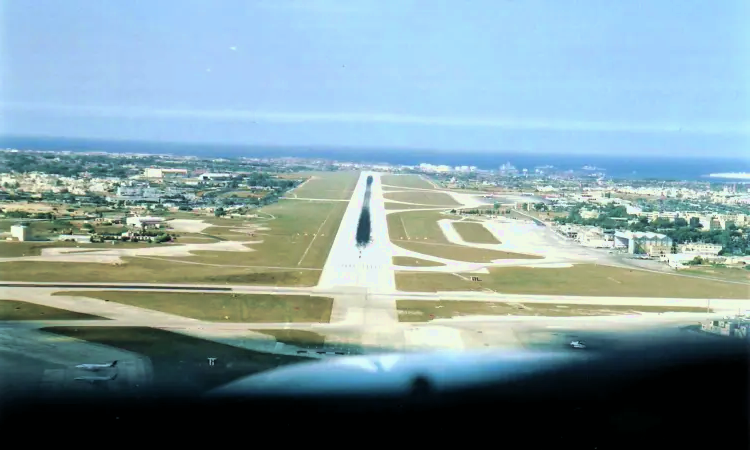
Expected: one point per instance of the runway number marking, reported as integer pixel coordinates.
(315, 237)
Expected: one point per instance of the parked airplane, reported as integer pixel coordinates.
(96, 367)
(93, 380)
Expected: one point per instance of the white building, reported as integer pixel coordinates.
(432, 168)
(678, 260)
(163, 173)
(138, 193)
(637, 242)
(699, 249)
(630, 209)
(215, 176)
(589, 214)
(81, 238)
(144, 222)
(20, 232)
(594, 237)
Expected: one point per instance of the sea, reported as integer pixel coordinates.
(613, 166)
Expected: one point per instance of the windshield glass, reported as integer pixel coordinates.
(203, 191)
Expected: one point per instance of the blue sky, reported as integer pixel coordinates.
(567, 76)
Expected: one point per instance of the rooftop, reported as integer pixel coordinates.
(639, 235)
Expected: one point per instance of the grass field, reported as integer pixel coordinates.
(184, 215)
(418, 231)
(179, 361)
(151, 270)
(389, 206)
(475, 233)
(408, 261)
(221, 233)
(413, 181)
(285, 243)
(5, 224)
(229, 221)
(417, 226)
(220, 307)
(244, 194)
(12, 249)
(329, 185)
(424, 311)
(461, 252)
(584, 280)
(196, 238)
(299, 234)
(298, 338)
(422, 198)
(724, 273)
(18, 310)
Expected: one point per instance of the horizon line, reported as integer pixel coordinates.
(497, 122)
(308, 147)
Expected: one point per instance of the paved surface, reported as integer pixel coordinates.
(344, 266)
(31, 358)
(353, 275)
(364, 310)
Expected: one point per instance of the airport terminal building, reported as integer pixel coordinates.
(652, 244)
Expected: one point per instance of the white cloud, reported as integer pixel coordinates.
(548, 124)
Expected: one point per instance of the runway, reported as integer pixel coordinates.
(373, 270)
(364, 293)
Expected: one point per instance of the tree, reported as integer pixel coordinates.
(162, 238)
(680, 222)
(697, 261)
(218, 212)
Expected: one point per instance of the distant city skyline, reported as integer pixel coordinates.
(538, 76)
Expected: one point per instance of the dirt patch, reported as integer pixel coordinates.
(188, 225)
(114, 255)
